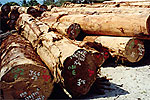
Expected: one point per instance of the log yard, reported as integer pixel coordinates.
(75, 49)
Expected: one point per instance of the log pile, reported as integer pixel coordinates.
(67, 45)
(60, 60)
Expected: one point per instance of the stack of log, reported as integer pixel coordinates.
(72, 43)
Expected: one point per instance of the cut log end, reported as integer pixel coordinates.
(22, 73)
(73, 31)
(134, 50)
(27, 82)
(79, 73)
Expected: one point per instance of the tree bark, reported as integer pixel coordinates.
(65, 59)
(23, 75)
(112, 24)
(128, 48)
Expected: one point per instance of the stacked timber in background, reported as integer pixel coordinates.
(22, 73)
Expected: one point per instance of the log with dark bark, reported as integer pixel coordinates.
(62, 56)
(127, 48)
(22, 73)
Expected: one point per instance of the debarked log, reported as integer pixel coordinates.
(65, 59)
(98, 11)
(22, 73)
(128, 48)
(112, 24)
(71, 30)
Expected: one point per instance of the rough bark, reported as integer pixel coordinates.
(64, 58)
(128, 48)
(23, 75)
(112, 24)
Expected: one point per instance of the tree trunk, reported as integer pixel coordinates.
(99, 11)
(112, 24)
(65, 59)
(129, 48)
(71, 30)
(23, 75)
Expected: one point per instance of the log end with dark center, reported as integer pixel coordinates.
(73, 31)
(5, 9)
(79, 72)
(34, 12)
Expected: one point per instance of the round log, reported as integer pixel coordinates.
(128, 48)
(71, 30)
(112, 24)
(98, 11)
(22, 73)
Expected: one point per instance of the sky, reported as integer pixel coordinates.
(19, 1)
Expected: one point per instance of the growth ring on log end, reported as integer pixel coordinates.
(134, 50)
(79, 72)
(73, 31)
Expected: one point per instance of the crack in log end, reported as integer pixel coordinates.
(79, 72)
(73, 31)
(148, 24)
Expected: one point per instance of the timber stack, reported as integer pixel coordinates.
(67, 45)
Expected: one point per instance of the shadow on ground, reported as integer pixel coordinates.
(114, 91)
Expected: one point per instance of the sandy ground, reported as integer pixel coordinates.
(128, 83)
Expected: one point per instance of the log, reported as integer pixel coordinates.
(71, 30)
(98, 11)
(138, 4)
(112, 24)
(127, 48)
(124, 1)
(22, 73)
(65, 59)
